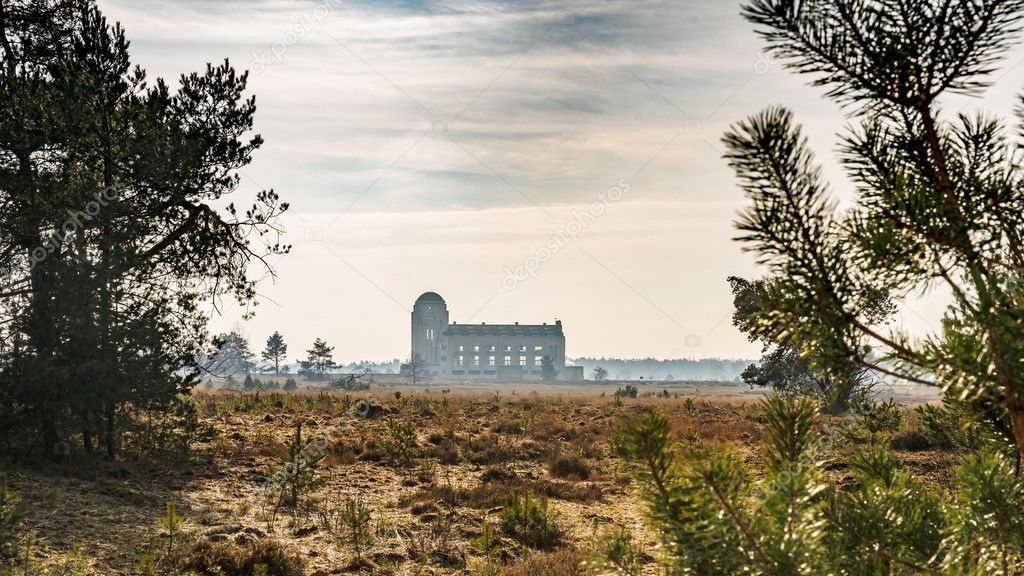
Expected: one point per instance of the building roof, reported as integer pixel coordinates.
(430, 297)
(504, 329)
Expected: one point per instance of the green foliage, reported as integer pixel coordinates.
(614, 551)
(116, 226)
(600, 374)
(74, 563)
(488, 545)
(399, 442)
(875, 420)
(531, 522)
(937, 198)
(355, 520)
(784, 368)
(300, 468)
(716, 516)
(276, 351)
(171, 534)
(172, 526)
(291, 385)
(231, 355)
(627, 391)
(10, 520)
(319, 360)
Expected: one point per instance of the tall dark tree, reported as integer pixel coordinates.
(276, 351)
(111, 241)
(939, 197)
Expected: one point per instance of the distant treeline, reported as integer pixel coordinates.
(655, 369)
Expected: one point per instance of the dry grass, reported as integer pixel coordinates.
(473, 452)
(240, 557)
(560, 563)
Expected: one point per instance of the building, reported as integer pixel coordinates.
(484, 351)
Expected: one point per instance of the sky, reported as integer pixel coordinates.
(529, 161)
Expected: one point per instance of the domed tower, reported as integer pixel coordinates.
(429, 321)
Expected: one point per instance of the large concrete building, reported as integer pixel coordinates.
(485, 351)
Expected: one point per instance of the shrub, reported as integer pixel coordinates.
(299, 471)
(353, 526)
(561, 563)
(531, 522)
(399, 442)
(716, 516)
(627, 391)
(291, 385)
(569, 466)
(226, 558)
(614, 551)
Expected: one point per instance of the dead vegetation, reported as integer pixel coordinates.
(420, 484)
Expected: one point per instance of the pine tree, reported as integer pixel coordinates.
(719, 516)
(938, 201)
(115, 231)
(276, 351)
(319, 359)
(938, 198)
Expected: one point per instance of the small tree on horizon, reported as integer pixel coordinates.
(782, 367)
(600, 374)
(415, 368)
(320, 359)
(275, 351)
(232, 356)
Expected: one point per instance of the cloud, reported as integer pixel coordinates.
(431, 143)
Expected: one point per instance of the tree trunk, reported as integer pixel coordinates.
(110, 438)
(87, 431)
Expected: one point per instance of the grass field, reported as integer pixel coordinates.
(433, 472)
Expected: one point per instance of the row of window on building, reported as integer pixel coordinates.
(474, 360)
(492, 348)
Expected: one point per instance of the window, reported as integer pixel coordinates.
(490, 360)
(538, 360)
(476, 360)
(522, 360)
(522, 348)
(538, 348)
(462, 348)
(476, 348)
(461, 360)
(430, 333)
(490, 348)
(508, 348)
(508, 360)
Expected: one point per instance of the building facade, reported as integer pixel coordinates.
(485, 351)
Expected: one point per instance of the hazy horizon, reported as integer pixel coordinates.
(443, 146)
